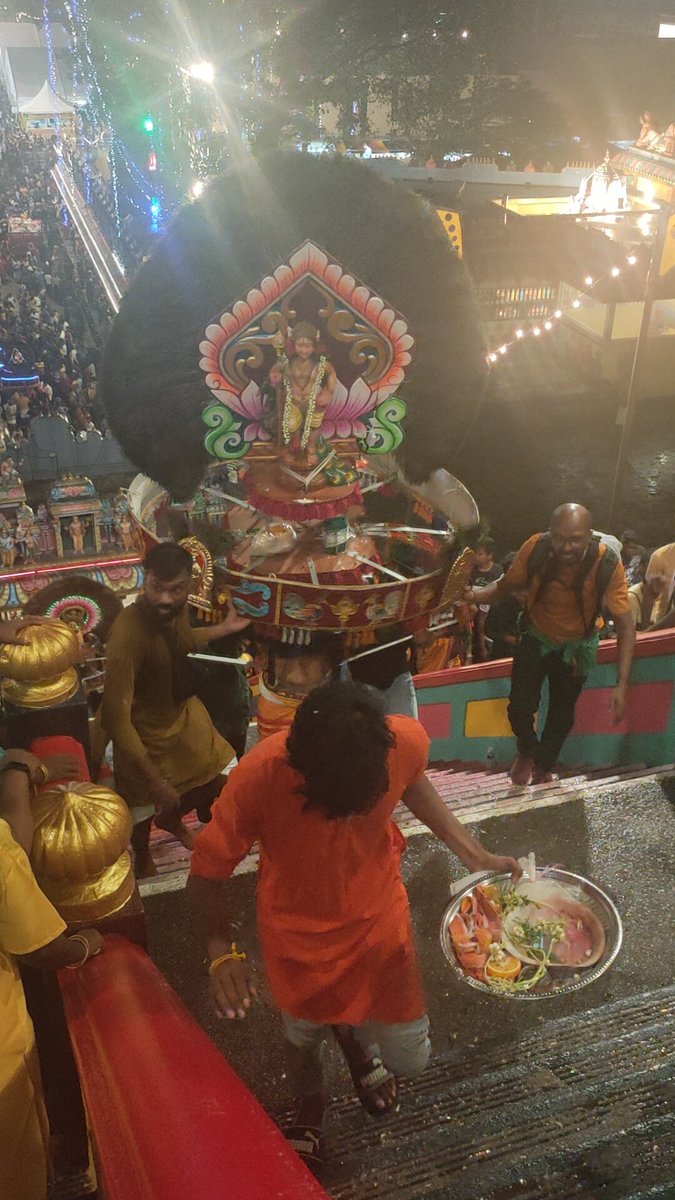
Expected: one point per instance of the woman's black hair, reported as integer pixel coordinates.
(339, 743)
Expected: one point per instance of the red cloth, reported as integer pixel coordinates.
(47, 747)
(295, 510)
(333, 912)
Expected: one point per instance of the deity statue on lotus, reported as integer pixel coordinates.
(304, 383)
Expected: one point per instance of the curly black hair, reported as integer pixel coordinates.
(339, 742)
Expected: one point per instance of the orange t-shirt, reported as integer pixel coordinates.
(333, 911)
(555, 609)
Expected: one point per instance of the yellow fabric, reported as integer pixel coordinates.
(662, 564)
(143, 718)
(27, 922)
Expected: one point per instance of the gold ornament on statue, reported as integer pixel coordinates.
(202, 573)
(79, 850)
(42, 693)
(47, 650)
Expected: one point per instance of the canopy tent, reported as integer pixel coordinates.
(46, 103)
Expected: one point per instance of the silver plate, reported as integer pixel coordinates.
(559, 982)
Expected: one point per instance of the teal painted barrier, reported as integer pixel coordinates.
(464, 711)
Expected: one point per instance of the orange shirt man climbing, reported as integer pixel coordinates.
(566, 577)
(333, 912)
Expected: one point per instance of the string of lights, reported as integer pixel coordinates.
(52, 63)
(543, 327)
(97, 102)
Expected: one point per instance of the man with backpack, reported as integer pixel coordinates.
(567, 576)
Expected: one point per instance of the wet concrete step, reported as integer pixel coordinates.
(470, 791)
(584, 1107)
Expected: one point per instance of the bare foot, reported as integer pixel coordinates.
(169, 823)
(185, 836)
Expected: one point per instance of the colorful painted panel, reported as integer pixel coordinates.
(487, 718)
(436, 719)
(649, 708)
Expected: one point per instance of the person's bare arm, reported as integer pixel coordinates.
(232, 984)
(625, 634)
(64, 951)
(231, 623)
(649, 596)
(424, 801)
(666, 622)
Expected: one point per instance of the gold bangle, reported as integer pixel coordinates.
(45, 774)
(234, 955)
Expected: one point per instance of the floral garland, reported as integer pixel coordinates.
(311, 404)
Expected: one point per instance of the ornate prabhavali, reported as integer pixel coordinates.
(79, 851)
(317, 536)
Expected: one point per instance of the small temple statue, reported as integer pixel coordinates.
(304, 383)
(126, 532)
(77, 530)
(8, 549)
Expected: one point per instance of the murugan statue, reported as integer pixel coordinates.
(304, 384)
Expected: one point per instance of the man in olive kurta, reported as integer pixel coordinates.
(167, 754)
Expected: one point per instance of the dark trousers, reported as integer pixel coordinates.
(530, 668)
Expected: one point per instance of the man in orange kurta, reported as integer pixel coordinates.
(333, 912)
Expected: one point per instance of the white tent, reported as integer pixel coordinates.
(46, 104)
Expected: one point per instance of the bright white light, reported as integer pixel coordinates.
(464, 34)
(204, 71)
(589, 281)
(197, 188)
(616, 271)
(536, 331)
(666, 30)
(632, 259)
(520, 333)
(548, 324)
(503, 349)
(492, 357)
(576, 304)
(558, 314)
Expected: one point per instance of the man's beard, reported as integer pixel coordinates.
(163, 615)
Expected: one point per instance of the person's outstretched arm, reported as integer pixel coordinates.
(424, 801)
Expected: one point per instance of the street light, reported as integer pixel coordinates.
(197, 189)
(205, 72)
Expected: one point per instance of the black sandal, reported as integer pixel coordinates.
(309, 1143)
(367, 1084)
(368, 1074)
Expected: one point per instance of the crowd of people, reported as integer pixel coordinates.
(53, 313)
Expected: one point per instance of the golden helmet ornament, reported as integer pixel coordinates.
(48, 650)
(79, 851)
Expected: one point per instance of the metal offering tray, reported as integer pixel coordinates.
(561, 981)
